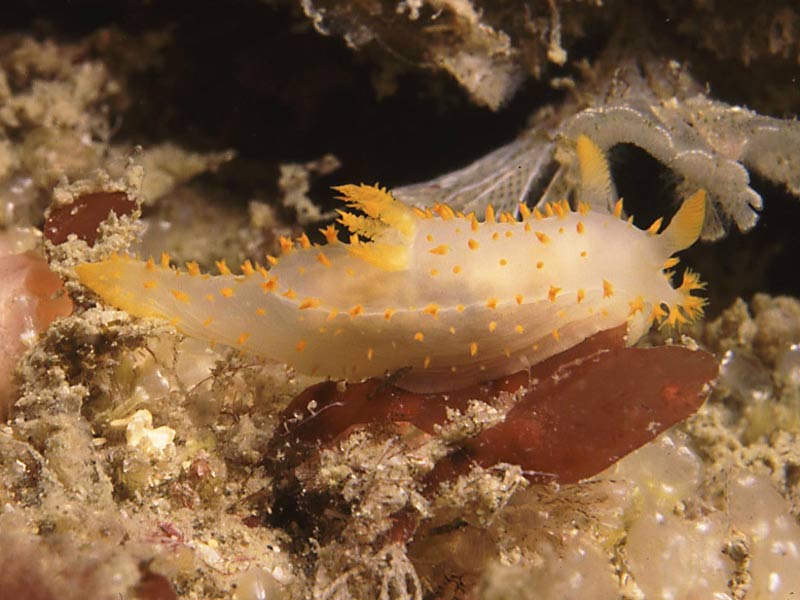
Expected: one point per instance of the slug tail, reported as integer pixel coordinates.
(121, 282)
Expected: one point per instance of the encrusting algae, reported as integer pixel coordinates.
(445, 298)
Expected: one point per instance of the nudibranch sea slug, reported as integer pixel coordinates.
(439, 298)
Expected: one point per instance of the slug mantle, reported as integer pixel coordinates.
(438, 296)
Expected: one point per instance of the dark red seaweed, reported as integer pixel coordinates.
(582, 410)
(84, 215)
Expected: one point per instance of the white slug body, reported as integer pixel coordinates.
(447, 299)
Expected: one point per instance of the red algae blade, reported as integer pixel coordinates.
(336, 410)
(595, 412)
(84, 215)
(581, 411)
